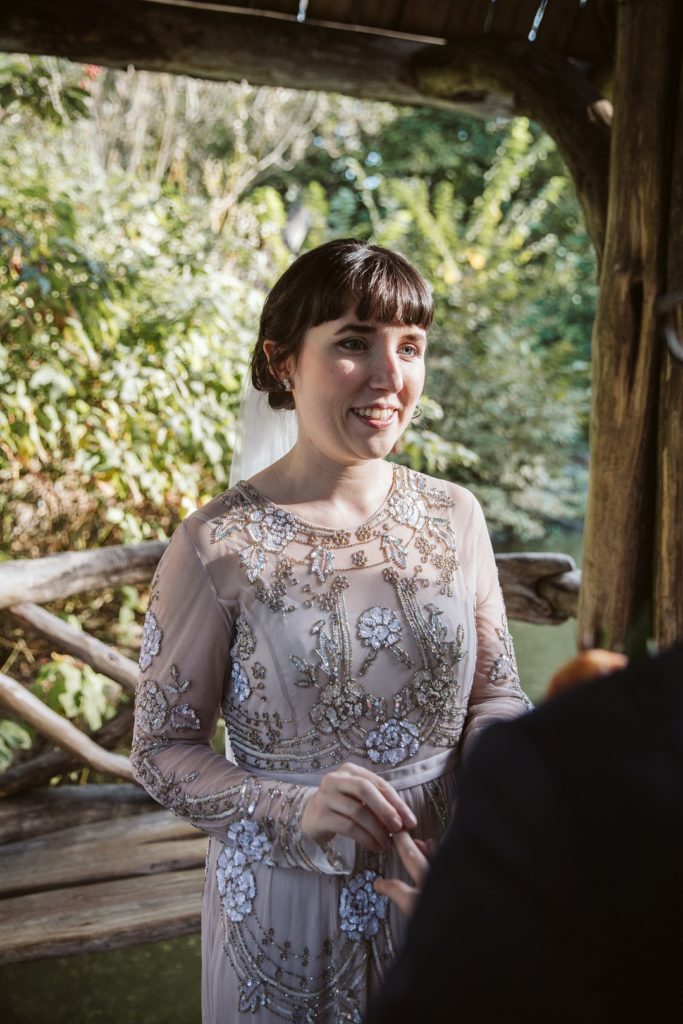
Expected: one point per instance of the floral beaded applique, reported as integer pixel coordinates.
(315, 566)
(361, 909)
(245, 845)
(241, 651)
(152, 635)
(153, 708)
(269, 529)
(393, 742)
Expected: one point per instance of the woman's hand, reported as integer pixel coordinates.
(352, 801)
(412, 854)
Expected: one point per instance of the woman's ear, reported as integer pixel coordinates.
(279, 370)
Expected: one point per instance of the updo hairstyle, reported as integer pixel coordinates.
(320, 286)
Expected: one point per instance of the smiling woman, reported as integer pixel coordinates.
(344, 616)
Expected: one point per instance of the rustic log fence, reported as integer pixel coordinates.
(538, 588)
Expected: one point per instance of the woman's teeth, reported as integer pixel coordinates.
(375, 414)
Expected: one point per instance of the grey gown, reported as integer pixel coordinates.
(386, 646)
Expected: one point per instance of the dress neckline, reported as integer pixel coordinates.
(258, 498)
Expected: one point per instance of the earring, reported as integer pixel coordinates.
(417, 412)
(286, 383)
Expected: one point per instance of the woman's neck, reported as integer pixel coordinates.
(325, 492)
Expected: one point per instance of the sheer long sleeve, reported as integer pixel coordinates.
(184, 672)
(496, 690)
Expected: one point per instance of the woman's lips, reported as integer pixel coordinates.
(378, 419)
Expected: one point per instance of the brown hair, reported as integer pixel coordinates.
(320, 286)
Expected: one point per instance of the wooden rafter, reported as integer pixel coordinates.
(210, 41)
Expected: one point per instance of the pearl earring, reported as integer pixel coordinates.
(287, 384)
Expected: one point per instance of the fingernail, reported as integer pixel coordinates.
(397, 823)
(412, 819)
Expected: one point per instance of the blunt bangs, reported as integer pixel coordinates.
(378, 284)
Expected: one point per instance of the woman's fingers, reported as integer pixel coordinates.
(353, 801)
(415, 863)
(402, 894)
(379, 795)
(347, 807)
(391, 796)
(343, 826)
(412, 857)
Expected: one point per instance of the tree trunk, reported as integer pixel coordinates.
(669, 532)
(617, 594)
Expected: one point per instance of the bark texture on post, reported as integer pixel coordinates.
(669, 519)
(617, 594)
(543, 86)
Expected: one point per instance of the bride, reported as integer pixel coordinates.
(343, 614)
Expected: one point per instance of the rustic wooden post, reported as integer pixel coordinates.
(617, 594)
(669, 515)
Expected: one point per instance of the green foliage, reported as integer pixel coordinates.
(74, 690)
(39, 86)
(125, 325)
(13, 737)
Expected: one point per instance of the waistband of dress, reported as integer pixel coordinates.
(405, 776)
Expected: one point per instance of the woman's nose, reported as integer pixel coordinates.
(386, 371)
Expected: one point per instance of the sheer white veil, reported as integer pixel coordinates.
(263, 436)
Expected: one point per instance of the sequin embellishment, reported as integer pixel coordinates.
(151, 641)
(361, 908)
(246, 844)
(393, 742)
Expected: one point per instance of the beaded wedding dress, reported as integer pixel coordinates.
(386, 646)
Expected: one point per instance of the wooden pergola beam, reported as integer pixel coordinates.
(544, 86)
(225, 46)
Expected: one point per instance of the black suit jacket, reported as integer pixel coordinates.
(557, 894)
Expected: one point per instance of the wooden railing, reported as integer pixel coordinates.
(539, 588)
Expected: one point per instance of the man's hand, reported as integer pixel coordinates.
(416, 864)
(585, 666)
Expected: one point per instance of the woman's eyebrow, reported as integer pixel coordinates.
(369, 329)
(356, 328)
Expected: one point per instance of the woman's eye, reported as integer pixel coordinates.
(410, 350)
(353, 344)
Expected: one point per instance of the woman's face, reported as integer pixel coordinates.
(356, 385)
